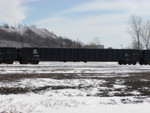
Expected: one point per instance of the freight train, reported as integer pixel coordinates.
(35, 55)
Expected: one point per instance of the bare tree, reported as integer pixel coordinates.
(146, 35)
(6, 26)
(94, 44)
(96, 41)
(134, 45)
(136, 29)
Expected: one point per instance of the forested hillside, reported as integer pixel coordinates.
(30, 36)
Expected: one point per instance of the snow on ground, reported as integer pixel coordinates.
(33, 103)
(55, 87)
(71, 67)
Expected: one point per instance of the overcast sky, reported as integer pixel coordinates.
(82, 19)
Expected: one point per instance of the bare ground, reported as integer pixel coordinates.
(136, 84)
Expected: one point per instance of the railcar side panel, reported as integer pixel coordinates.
(146, 57)
(109, 55)
(8, 55)
(86, 55)
(92, 55)
(104, 55)
(68, 54)
(115, 54)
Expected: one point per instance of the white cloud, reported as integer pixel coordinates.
(103, 5)
(110, 27)
(130, 6)
(27, 1)
(107, 28)
(12, 11)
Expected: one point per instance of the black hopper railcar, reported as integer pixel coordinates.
(35, 55)
(122, 56)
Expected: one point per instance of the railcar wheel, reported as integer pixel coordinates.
(34, 62)
(145, 63)
(23, 62)
(85, 61)
(20, 62)
(141, 62)
(134, 63)
(124, 63)
(120, 62)
(9, 62)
